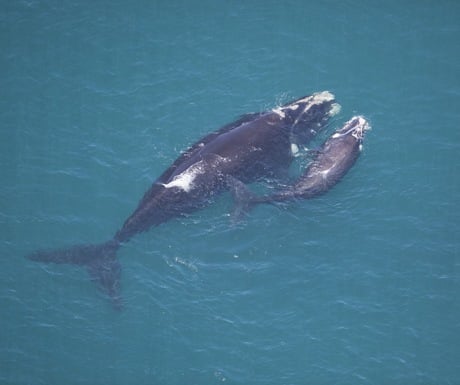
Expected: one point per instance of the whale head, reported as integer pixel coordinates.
(352, 132)
(307, 115)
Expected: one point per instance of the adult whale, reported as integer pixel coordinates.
(255, 147)
(332, 161)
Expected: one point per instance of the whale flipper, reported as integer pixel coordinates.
(99, 259)
(243, 198)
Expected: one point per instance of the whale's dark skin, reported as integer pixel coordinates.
(255, 147)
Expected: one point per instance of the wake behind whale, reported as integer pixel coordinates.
(253, 148)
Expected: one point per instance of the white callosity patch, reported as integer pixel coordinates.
(185, 179)
(355, 126)
(318, 97)
(309, 101)
(279, 111)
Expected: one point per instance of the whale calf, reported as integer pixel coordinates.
(253, 148)
(332, 161)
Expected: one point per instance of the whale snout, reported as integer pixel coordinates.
(317, 106)
(323, 103)
(306, 116)
(355, 127)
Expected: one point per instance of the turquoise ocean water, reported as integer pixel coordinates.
(360, 286)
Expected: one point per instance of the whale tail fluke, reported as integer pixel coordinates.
(99, 260)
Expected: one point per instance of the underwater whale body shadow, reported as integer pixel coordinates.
(255, 147)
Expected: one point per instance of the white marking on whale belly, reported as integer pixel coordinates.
(185, 179)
